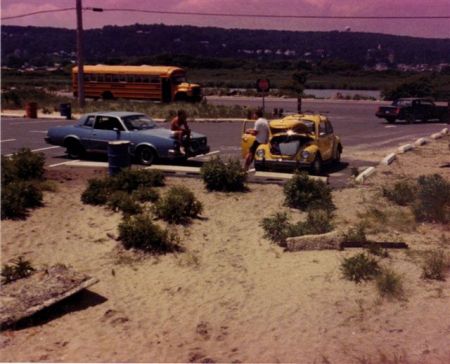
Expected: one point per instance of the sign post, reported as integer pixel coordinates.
(263, 85)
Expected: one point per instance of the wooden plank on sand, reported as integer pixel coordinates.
(26, 296)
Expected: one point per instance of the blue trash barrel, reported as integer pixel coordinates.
(66, 110)
(118, 156)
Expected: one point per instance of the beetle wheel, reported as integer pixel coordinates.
(316, 166)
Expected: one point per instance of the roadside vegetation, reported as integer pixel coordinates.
(23, 183)
(220, 175)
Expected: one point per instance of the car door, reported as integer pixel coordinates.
(106, 129)
(247, 138)
(326, 140)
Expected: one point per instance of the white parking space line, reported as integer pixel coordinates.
(206, 155)
(40, 149)
(38, 131)
(390, 126)
(8, 140)
(62, 163)
(40, 122)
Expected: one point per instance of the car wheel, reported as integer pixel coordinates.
(390, 120)
(107, 95)
(316, 166)
(337, 157)
(74, 149)
(146, 156)
(410, 118)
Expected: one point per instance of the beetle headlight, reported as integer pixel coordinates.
(305, 154)
(260, 153)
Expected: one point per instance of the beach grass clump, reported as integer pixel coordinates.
(123, 201)
(130, 180)
(18, 269)
(304, 193)
(219, 175)
(140, 232)
(390, 284)
(433, 199)
(435, 264)
(22, 176)
(276, 227)
(360, 267)
(402, 193)
(97, 191)
(356, 233)
(178, 206)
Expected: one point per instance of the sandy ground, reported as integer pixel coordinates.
(232, 296)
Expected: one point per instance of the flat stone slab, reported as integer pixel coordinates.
(285, 176)
(24, 297)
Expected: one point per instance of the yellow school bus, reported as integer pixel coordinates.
(158, 83)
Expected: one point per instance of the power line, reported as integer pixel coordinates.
(276, 16)
(262, 16)
(36, 13)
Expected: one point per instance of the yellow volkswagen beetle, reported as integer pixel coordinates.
(296, 141)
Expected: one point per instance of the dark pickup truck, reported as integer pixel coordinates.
(412, 109)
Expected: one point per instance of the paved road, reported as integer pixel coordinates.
(363, 135)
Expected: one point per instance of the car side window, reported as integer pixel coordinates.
(322, 129)
(108, 123)
(328, 127)
(89, 121)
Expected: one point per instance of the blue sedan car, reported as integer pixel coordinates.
(148, 141)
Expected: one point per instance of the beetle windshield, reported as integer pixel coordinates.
(138, 122)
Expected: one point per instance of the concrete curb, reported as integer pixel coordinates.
(389, 159)
(421, 141)
(365, 174)
(436, 136)
(405, 148)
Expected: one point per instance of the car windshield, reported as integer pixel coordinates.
(309, 125)
(401, 103)
(138, 122)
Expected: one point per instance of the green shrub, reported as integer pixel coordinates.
(18, 197)
(140, 232)
(390, 284)
(178, 205)
(402, 192)
(122, 201)
(28, 165)
(20, 268)
(318, 221)
(304, 193)
(220, 176)
(435, 265)
(97, 191)
(131, 179)
(356, 234)
(146, 194)
(360, 267)
(433, 203)
(276, 227)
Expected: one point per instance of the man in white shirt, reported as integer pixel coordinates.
(261, 133)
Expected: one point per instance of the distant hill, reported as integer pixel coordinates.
(113, 44)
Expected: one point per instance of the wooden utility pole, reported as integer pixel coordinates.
(80, 55)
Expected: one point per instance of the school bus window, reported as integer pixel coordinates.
(154, 80)
(86, 77)
(101, 78)
(108, 78)
(178, 79)
(138, 78)
(145, 79)
(115, 78)
(93, 77)
(123, 78)
(130, 78)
